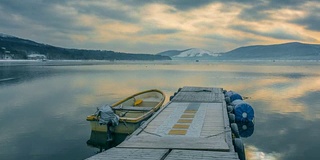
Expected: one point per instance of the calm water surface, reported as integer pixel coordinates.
(43, 108)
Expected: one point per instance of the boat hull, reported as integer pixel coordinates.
(122, 128)
(132, 111)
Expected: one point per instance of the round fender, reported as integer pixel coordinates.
(235, 130)
(239, 148)
(230, 108)
(244, 112)
(232, 118)
(228, 100)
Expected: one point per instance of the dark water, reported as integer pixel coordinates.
(43, 108)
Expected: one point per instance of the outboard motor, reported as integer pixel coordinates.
(107, 117)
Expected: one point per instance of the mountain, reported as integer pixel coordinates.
(19, 48)
(193, 53)
(170, 53)
(286, 51)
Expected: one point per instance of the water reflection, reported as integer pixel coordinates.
(246, 129)
(42, 112)
(286, 135)
(253, 153)
(99, 140)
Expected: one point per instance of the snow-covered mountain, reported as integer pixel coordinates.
(195, 52)
(6, 36)
(189, 53)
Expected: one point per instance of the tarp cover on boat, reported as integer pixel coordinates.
(107, 115)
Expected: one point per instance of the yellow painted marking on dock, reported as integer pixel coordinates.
(181, 126)
(187, 116)
(184, 120)
(178, 132)
(190, 111)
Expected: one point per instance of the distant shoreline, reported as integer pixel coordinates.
(16, 62)
(22, 62)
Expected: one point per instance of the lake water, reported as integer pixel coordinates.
(43, 106)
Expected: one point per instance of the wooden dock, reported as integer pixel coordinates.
(193, 125)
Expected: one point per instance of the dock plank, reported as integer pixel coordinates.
(130, 153)
(200, 155)
(205, 118)
(199, 94)
(200, 89)
(176, 142)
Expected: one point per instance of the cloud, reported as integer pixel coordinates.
(42, 14)
(258, 10)
(287, 3)
(113, 10)
(51, 23)
(310, 20)
(273, 32)
(253, 13)
(231, 38)
(208, 24)
(188, 4)
(180, 5)
(155, 30)
(290, 15)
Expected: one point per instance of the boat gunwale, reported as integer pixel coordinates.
(147, 114)
(144, 116)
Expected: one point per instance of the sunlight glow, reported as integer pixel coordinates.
(254, 153)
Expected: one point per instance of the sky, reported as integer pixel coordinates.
(153, 26)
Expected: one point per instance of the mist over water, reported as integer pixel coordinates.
(43, 107)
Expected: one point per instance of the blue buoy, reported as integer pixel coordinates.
(229, 93)
(235, 96)
(243, 112)
(236, 102)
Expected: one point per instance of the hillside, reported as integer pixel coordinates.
(170, 53)
(286, 51)
(193, 53)
(19, 48)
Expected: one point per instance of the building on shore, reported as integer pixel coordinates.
(37, 57)
(5, 54)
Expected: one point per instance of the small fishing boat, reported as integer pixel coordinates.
(128, 113)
